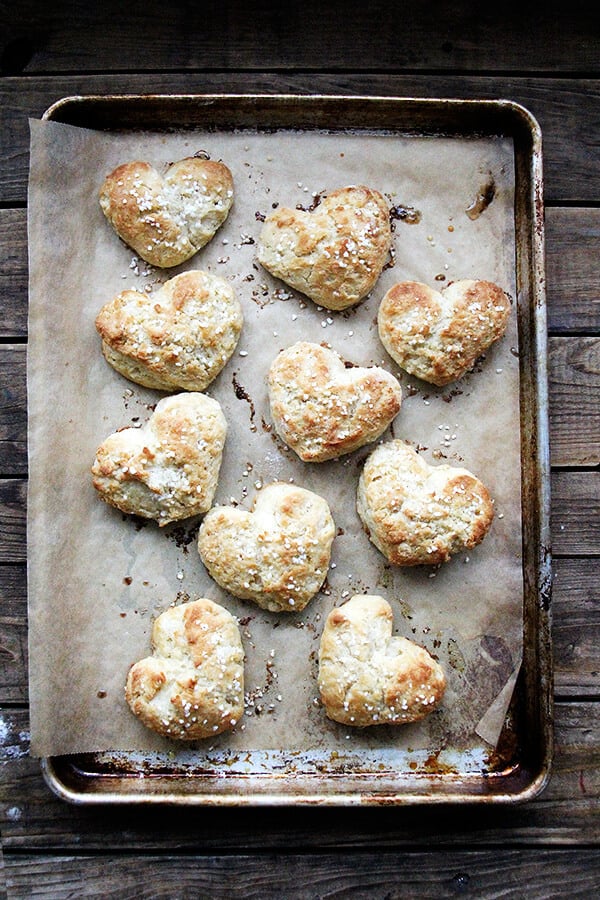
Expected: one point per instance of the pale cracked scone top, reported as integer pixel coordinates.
(333, 254)
(367, 676)
(276, 555)
(439, 335)
(419, 514)
(167, 470)
(321, 408)
(192, 686)
(178, 338)
(167, 219)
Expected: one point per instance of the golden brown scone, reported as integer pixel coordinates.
(192, 686)
(439, 336)
(278, 554)
(167, 219)
(321, 409)
(418, 514)
(368, 677)
(335, 254)
(168, 469)
(180, 337)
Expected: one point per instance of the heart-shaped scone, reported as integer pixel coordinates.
(192, 687)
(180, 337)
(438, 336)
(278, 554)
(368, 677)
(334, 254)
(323, 409)
(166, 220)
(418, 514)
(167, 470)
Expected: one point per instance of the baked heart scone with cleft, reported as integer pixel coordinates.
(333, 254)
(369, 677)
(167, 219)
(276, 555)
(167, 470)
(438, 336)
(419, 514)
(321, 408)
(179, 338)
(192, 686)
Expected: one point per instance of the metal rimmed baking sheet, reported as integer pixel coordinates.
(519, 765)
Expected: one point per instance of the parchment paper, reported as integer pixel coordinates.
(97, 578)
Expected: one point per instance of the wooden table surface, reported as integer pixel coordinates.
(549, 61)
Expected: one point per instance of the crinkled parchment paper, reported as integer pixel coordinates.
(97, 578)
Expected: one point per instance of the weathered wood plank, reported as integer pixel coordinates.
(13, 634)
(79, 36)
(574, 391)
(574, 375)
(572, 263)
(568, 110)
(13, 272)
(573, 269)
(13, 410)
(380, 876)
(575, 520)
(575, 523)
(567, 813)
(576, 627)
(575, 630)
(13, 516)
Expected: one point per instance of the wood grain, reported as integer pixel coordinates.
(574, 389)
(13, 635)
(572, 275)
(13, 410)
(13, 518)
(575, 520)
(271, 876)
(13, 273)
(566, 108)
(71, 35)
(576, 627)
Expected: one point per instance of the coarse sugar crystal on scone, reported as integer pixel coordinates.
(418, 514)
(179, 338)
(369, 677)
(192, 685)
(333, 254)
(277, 554)
(168, 469)
(322, 408)
(439, 335)
(167, 218)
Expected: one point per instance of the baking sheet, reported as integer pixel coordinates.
(97, 578)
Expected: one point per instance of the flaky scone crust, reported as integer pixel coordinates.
(366, 676)
(167, 219)
(167, 470)
(334, 254)
(438, 336)
(178, 338)
(419, 514)
(192, 687)
(321, 409)
(276, 555)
